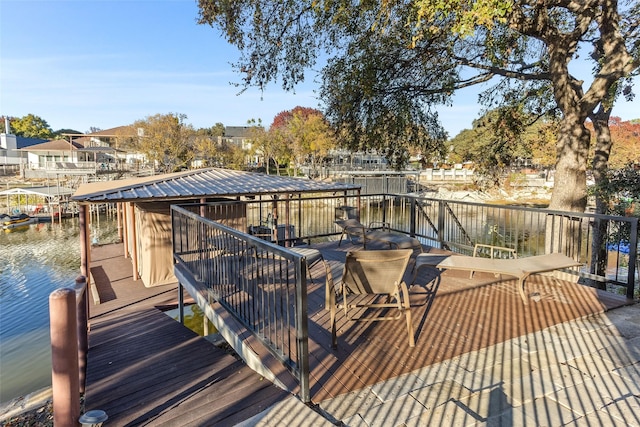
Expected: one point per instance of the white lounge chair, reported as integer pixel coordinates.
(521, 268)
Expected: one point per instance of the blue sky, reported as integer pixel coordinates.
(90, 63)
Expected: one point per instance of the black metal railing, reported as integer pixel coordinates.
(262, 285)
(606, 245)
(236, 250)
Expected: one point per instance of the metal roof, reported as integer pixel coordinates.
(39, 191)
(201, 183)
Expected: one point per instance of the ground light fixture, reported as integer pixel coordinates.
(93, 418)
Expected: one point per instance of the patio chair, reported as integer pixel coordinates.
(374, 273)
(355, 230)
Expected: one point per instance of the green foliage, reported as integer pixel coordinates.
(306, 133)
(31, 126)
(166, 141)
(391, 63)
(620, 191)
(500, 137)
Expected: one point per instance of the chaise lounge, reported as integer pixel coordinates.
(521, 268)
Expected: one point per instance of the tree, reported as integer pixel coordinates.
(31, 126)
(497, 139)
(270, 145)
(206, 143)
(625, 136)
(307, 134)
(391, 62)
(166, 141)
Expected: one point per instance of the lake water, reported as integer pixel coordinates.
(34, 261)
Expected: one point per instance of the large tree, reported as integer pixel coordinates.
(391, 62)
(166, 140)
(30, 126)
(307, 134)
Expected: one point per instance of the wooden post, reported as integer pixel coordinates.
(85, 244)
(134, 241)
(64, 358)
(82, 313)
(119, 220)
(125, 223)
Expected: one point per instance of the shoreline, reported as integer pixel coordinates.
(21, 405)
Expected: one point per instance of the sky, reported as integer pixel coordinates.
(81, 64)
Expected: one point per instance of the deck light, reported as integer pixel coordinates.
(93, 418)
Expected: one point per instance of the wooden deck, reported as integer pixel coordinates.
(133, 348)
(144, 368)
(452, 315)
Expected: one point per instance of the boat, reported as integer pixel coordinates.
(16, 221)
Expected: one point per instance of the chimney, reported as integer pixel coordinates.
(6, 125)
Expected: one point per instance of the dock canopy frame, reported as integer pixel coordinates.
(200, 185)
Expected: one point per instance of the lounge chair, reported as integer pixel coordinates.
(355, 230)
(375, 273)
(521, 268)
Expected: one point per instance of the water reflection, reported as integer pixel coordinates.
(34, 262)
(193, 319)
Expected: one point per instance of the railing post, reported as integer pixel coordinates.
(64, 358)
(412, 225)
(441, 222)
(180, 303)
(302, 330)
(633, 257)
(82, 314)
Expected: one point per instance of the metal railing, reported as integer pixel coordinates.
(606, 245)
(260, 284)
(236, 250)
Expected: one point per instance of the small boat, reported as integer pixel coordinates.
(16, 221)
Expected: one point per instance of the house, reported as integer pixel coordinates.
(238, 135)
(11, 149)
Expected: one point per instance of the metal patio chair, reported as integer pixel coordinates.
(375, 273)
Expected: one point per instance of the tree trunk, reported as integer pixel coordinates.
(600, 122)
(570, 180)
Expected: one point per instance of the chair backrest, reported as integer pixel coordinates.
(375, 272)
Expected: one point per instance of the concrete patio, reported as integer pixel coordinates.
(584, 372)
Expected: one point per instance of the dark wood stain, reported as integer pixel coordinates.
(146, 368)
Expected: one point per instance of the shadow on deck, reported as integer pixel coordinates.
(144, 368)
(452, 315)
(143, 365)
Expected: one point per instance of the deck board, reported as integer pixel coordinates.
(144, 368)
(452, 315)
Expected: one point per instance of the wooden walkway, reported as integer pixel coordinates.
(144, 368)
(141, 369)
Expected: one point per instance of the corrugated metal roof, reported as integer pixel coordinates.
(200, 183)
(39, 191)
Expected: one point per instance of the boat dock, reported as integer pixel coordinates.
(480, 356)
(144, 368)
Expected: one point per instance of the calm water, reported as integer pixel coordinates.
(34, 261)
